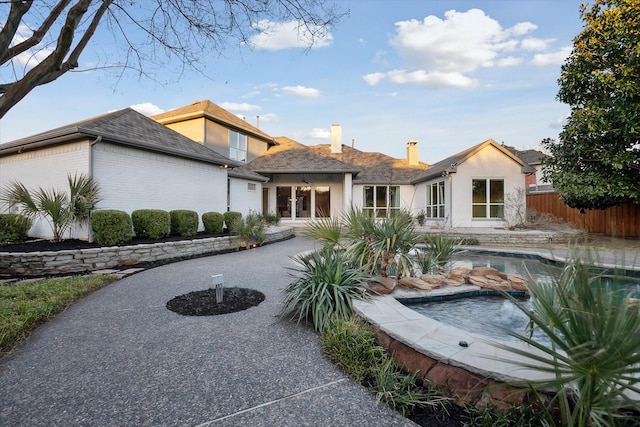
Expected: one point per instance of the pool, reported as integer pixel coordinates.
(487, 315)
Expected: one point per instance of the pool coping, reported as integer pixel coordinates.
(476, 354)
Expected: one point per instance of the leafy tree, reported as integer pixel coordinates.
(596, 163)
(40, 41)
(58, 208)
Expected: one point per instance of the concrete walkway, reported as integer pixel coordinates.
(120, 358)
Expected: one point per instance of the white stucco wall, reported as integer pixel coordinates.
(47, 168)
(133, 179)
(489, 163)
(243, 199)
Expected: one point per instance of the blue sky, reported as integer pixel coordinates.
(449, 74)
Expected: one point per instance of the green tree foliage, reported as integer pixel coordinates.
(596, 163)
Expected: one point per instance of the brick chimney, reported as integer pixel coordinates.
(412, 152)
(336, 139)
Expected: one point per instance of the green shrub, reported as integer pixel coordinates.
(271, 218)
(213, 222)
(230, 218)
(184, 222)
(250, 229)
(13, 228)
(151, 223)
(324, 287)
(111, 227)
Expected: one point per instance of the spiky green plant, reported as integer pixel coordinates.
(58, 208)
(442, 247)
(594, 355)
(326, 230)
(358, 231)
(324, 286)
(391, 240)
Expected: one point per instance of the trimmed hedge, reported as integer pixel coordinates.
(13, 228)
(184, 222)
(111, 227)
(230, 218)
(151, 223)
(212, 222)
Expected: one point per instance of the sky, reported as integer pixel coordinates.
(449, 74)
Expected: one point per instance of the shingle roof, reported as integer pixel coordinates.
(376, 168)
(245, 172)
(450, 164)
(290, 156)
(125, 127)
(212, 112)
(531, 157)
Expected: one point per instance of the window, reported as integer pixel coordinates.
(435, 200)
(251, 186)
(487, 198)
(323, 201)
(237, 146)
(381, 200)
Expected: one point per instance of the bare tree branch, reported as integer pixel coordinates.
(17, 11)
(149, 36)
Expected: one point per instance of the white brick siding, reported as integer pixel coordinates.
(133, 179)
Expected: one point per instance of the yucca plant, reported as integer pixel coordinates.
(324, 286)
(594, 354)
(442, 248)
(58, 208)
(358, 231)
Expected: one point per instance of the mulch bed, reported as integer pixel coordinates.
(204, 303)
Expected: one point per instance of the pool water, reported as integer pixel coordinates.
(486, 315)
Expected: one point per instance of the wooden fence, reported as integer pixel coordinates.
(617, 221)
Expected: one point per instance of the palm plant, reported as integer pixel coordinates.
(391, 240)
(58, 208)
(326, 230)
(324, 286)
(595, 346)
(358, 230)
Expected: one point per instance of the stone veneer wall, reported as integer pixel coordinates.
(465, 387)
(86, 260)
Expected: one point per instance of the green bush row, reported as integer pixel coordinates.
(13, 228)
(113, 227)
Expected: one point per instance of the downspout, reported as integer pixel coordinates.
(91, 145)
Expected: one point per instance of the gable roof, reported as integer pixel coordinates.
(375, 168)
(213, 112)
(290, 156)
(450, 164)
(531, 157)
(124, 127)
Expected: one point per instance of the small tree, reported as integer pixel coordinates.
(60, 209)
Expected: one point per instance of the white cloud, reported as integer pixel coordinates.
(558, 123)
(319, 133)
(373, 78)
(33, 56)
(509, 61)
(234, 106)
(290, 34)
(269, 117)
(446, 51)
(147, 108)
(522, 28)
(461, 42)
(535, 44)
(305, 92)
(553, 58)
(431, 79)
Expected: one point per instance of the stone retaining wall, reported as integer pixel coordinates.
(86, 260)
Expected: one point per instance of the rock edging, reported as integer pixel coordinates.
(33, 264)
